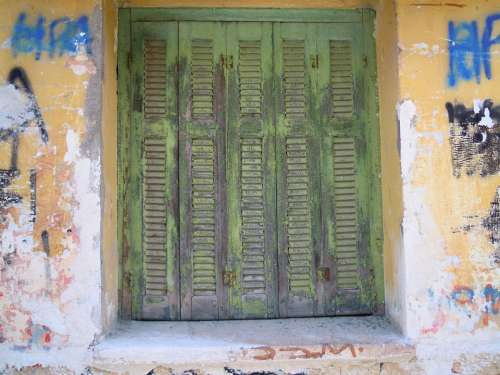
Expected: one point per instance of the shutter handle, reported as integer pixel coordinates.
(229, 278)
(324, 274)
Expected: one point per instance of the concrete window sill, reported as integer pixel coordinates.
(226, 342)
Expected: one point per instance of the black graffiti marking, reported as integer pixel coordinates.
(45, 242)
(492, 222)
(463, 116)
(33, 195)
(20, 80)
(475, 148)
(8, 198)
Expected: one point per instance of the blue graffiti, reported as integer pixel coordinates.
(64, 36)
(470, 54)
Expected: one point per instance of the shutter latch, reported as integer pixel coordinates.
(314, 61)
(229, 278)
(323, 274)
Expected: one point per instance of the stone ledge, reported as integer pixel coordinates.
(341, 339)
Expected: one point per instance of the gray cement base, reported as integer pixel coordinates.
(345, 345)
(320, 346)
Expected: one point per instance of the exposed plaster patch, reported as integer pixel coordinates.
(81, 64)
(73, 144)
(407, 115)
(424, 49)
(15, 108)
(6, 44)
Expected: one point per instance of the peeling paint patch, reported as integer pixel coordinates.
(15, 108)
(407, 115)
(424, 49)
(81, 65)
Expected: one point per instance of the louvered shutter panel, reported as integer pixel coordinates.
(250, 173)
(297, 170)
(202, 170)
(345, 180)
(153, 138)
(256, 199)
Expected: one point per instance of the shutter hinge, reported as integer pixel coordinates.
(323, 274)
(229, 278)
(129, 59)
(365, 60)
(315, 61)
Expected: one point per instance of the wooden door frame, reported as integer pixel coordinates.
(366, 17)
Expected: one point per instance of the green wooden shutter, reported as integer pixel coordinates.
(250, 172)
(202, 169)
(152, 171)
(260, 197)
(346, 173)
(296, 169)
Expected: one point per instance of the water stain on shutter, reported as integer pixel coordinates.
(341, 78)
(155, 220)
(203, 217)
(155, 80)
(294, 79)
(298, 215)
(345, 208)
(250, 79)
(202, 80)
(252, 216)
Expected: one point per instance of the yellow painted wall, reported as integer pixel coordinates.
(50, 283)
(450, 259)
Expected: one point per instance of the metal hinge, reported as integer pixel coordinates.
(323, 274)
(227, 61)
(315, 61)
(229, 278)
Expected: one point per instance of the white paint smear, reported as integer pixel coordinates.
(487, 120)
(407, 113)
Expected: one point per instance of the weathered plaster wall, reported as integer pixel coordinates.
(50, 206)
(450, 166)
